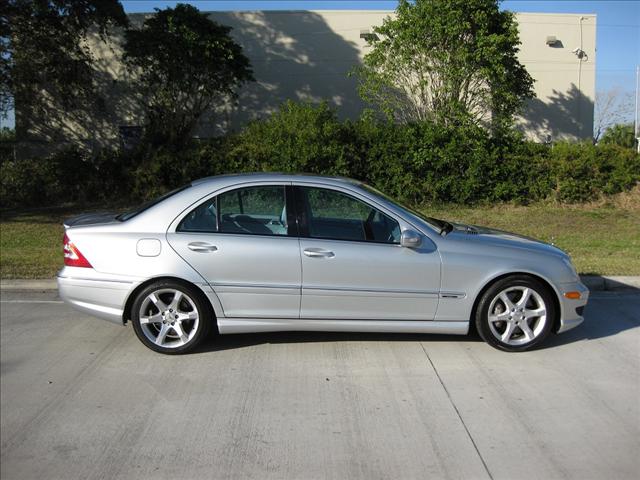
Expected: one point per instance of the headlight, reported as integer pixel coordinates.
(572, 269)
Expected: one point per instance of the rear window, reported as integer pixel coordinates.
(123, 217)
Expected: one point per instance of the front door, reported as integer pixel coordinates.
(244, 244)
(353, 266)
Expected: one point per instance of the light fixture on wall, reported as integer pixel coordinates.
(552, 41)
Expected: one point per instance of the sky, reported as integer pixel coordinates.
(617, 34)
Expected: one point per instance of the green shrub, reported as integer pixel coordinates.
(24, 182)
(299, 137)
(156, 172)
(620, 134)
(41, 181)
(583, 171)
(417, 163)
(62, 177)
(519, 171)
(7, 143)
(425, 163)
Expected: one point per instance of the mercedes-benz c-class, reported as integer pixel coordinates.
(274, 252)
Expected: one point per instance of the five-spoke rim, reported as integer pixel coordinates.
(517, 315)
(169, 318)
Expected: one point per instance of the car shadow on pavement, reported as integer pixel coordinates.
(600, 322)
(233, 341)
(594, 327)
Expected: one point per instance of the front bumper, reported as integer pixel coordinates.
(570, 309)
(102, 298)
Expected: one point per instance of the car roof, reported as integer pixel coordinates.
(187, 198)
(201, 188)
(274, 176)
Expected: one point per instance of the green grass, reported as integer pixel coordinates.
(602, 238)
(31, 244)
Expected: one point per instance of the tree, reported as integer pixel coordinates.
(43, 45)
(446, 61)
(183, 64)
(612, 107)
(620, 134)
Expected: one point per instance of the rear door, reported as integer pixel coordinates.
(244, 243)
(353, 266)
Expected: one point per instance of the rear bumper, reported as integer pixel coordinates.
(571, 310)
(101, 298)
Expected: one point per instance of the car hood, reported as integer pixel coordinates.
(496, 237)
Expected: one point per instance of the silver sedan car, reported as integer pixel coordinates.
(273, 252)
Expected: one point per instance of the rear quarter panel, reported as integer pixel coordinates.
(115, 253)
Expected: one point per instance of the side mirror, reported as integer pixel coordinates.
(410, 239)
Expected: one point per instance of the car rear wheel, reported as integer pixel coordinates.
(515, 313)
(170, 317)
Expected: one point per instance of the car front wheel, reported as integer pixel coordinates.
(169, 317)
(515, 314)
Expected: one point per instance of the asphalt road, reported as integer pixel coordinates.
(83, 399)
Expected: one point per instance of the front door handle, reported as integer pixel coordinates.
(318, 253)
(202, 247)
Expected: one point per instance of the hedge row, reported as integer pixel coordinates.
(418, 163)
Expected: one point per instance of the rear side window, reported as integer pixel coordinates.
(202, 219)
(251, 211)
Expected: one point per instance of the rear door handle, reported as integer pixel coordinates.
(318, 253)
(202, 247)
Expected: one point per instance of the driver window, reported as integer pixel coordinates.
(254, 210)
(337, 216)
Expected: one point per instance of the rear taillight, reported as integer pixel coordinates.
(72, 256)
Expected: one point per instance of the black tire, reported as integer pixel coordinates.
(482, 322)
(192, 299)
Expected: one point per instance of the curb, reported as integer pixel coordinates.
(595, 283)
(28, 285)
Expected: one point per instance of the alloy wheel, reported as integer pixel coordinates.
(517, 315)
(169, 318)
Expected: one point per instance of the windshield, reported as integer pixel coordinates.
(123, 217)
(439, 225)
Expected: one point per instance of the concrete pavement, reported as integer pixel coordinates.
(82, 398)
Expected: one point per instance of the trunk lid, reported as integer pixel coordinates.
(91, 219)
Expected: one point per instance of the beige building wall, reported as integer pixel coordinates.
(307, 56)
(565, 79)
